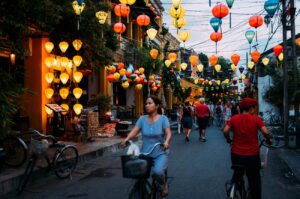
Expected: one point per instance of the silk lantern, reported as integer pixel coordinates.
(49, 77)
(121, 10)
(119, 28)
(129, 2)
(200, 67)
(49, 46)
(179, 23)
(249, 34)
(215, 23)
(77, 108)
(66, 107)
(77, 92)
(280, 57)
(172, 57)
(176, 3)
(255, 55)
(220, 10)
(77, 59)
(216, 36)
(168, 63)
(64, 92)
(101, 16)
(235, 58)
(277, 49)
(233, 67)
(77, 76)
(218, 67)
(256, 21)
(153, 53)
(64, 77)
(184, 36)
(143, 20)
(77, 44)
(213, 60)
(271, 7)
(250, 64)
(265, 61)
(48, 110)
(49, 93)
(63, 46)
(194, 59)
(177, 13)
(151, 32)
(183, 66)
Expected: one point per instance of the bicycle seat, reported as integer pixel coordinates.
(57, 145)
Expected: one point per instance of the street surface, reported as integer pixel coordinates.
(199, 170)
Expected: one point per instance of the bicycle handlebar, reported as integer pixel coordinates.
(150, 151)
(50, 137)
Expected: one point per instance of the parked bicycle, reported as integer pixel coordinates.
(63, 162)
(139, 168)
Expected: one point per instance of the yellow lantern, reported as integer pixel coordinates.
(196, 81)
(122, 71)
(64, 92)
(265, 61)
(77, 92)
(48, 110)
(200, 67)
(280, 56)
(177, 13)
(218, 82)
(151, 32)
(129, 2)
(184, 36)
(101, 16)
(77, 76)
(233, 67)
(77, 59)
(49, 93)
(49, 46)
(168, 63)
(141, 70)
(179, 23)
(64, 62)
(49, 62)
(56, 64)
(77, 108)
(49, 77)
(183, 66)
(66, 107)
(176, 3)
(63, 46)
(117, 76)
(78, 8)
(218, 67)
(77, 44)
(64, 77)
(243, 77)
(250, 64)
(125, 84)
(226, 81)
(138, 86)
(210, 83)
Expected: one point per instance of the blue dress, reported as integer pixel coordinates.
(153, 133)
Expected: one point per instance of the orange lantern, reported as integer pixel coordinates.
(122, 10)
(143, 20)
(255, 55)
(194, 59)
(120, 65)
(153, 53)
(256, 21)
(235, 58)
(213, 60)
(220, 10)
(110, 78)
(216, 36)
(298, 41)
(277, 50)
(172, 57)
(119, 28)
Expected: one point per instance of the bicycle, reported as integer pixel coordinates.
(63, 162)
(14, 149)
(139, 168)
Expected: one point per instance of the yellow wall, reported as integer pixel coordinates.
(105, 86)
(139, 103)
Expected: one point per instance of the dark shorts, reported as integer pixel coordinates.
(187, 122)
(202, 122)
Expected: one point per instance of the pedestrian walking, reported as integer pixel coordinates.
(227, 112)
(202, 113)
(187, 115)
(218, 114)
(179, 118)
(211, 107)
(235, 109)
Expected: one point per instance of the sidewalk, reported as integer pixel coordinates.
(292, 158)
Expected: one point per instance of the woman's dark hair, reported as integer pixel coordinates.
(156, 101)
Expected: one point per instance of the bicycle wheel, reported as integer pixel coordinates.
(16, 151)
(65, 162)
(139, 191)
(26, 175)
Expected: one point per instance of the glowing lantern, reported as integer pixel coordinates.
(200, 67)
(172, 57)
(277, 49)
(129, 2)
(176, 3)
(77, 92)
(184, 36)
(116, 76)
(64, 77)
(77, 44)
(49, 93)
(194, 59)
(125, 84)
(280, 56)
(78, 7)
(256, 21)
(48, 110)
(255, 55)
(179, 23)
(119, 28)
(153, 53)
(138, 86)
(101, 16)
(220, 10)
(77, 76)
(49, 61)
(143, 20)
(215, 23)
(77, 108)
(64, 92)
(218, 67)
(213, 60)
(249, 34)
(265, 61)
(64, 61)
(151, 32)
(141, 70)
(250, 64)
(49, 77)
(168, 63)
(183, 66)
(177, 13)
(216, 36)
(63, 46)
(49, 46)
(235, 58)
(77, 59)
(110, 78)
(271, 7)
(66, 107)
(233, 67)
(121, 10)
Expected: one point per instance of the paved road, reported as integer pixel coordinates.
(200, 170)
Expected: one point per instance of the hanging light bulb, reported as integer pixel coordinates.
(77, 92)
(64, 77)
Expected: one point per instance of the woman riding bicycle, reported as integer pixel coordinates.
(245, 144)
(154, 128)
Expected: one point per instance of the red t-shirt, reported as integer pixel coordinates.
(202, 110)
(245, 129)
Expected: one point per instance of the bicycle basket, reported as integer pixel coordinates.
(136, 167)
(38, 148)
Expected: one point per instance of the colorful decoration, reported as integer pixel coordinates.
(151, 32)
(119, 28)
(220, 10)
(168, 63)
(153, 53)
(250, 64)
(256, 21)
(49, 46)
(218, 67)
(265, 61)
(177, 13)
(233, 67)
(280, 57)
(77, 44)
(215, 23)
(183, 66)
(172, 57)
(200, 67)
(194, 59)
(77, 92)
(101, 16)
(213, 60)
(271, 7)
(77, 108)
(184, 36)
(129, 2)
(255, 55)
(277, 50)
(49, 93)
(216, 36)
(179, 23)
(63, 46)
(121, 10)
(249, 34)
(143, 20)
(235, 58)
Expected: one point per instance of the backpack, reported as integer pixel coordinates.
(218, 110)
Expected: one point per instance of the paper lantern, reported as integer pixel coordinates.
(235, 58)
(101, 16)
(179, 23)
(255, 55)
(280, 57)
(271, 7)
(218, 67)
(77, 44)
(233, 67)
(77, 59)
(298, 41)
(183, 66)
(64, 61)
(177, 13)
(121, 10)
(168, 63)
(49, 77)
(184, 36)
(49, 93)
(138, 86)
(129, 2)
(77, 92)
(49, 46)
(249, 34)
(49, 61)
(151, 32)
(250, 64)
(265, 61)
(176, 3)
(256, 21)
(116, 76)
(48, 110)
(215, 23)
(194, 59)
(64, 92)
(64, 77)
(153, 53)
(220, 10)
(77, 108)
(78, 6)
(172, 57)
(77, 76)
(216, 36)
(141, 70)
(200, 67)
(277, 49)
(63, 46)
(66, 107)
(125, 84)
(213, 60)
(119, 28)
(241, 69)
(143, 20)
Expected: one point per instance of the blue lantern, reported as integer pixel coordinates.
(215, 23)
(271, 7)
(250, 35)
(229, 3)
(79, 2)
(241, 69)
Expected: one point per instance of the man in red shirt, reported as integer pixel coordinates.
(202, 113)
(245, 145)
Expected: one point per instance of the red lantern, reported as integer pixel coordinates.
(256, 21)
(172, 57)
(220, 10)
(235, 58)
(122, 10)
(119, 28)
(213, 60)
(153, 53)
(110, 78)
(277, 49)
(216, 36)
(143, 20)
(255, 55)
(194, 60)
(120, 65)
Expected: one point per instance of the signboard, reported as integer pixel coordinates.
(56, 108)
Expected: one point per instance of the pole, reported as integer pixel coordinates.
(285, 72)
